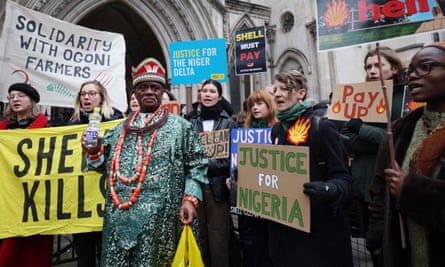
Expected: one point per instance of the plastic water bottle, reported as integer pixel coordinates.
(92, 133)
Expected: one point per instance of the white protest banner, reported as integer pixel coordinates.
(56, 57)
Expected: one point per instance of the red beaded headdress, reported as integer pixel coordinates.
(148, 70)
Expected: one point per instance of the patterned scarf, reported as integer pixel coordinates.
(431, 150)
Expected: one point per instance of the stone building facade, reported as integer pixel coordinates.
(150, 25)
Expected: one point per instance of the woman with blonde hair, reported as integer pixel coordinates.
(93, 94)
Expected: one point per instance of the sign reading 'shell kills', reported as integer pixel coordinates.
(270, 183)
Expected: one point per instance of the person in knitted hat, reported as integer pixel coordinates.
(22, 113)
(406, 211)
(27, 89)
(22, 110)
(155, 165)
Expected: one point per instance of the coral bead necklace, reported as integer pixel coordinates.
(141, 167)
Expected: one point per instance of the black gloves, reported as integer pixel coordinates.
(321, 191)
(354, 125)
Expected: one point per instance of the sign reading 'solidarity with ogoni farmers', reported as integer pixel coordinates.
(194, 61)
(270, 183)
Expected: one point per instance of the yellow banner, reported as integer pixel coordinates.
(43, 189)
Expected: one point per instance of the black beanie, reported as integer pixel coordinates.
(27, 89)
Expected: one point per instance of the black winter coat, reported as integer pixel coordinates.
(218, 169)
(329, 243)
(422, 199)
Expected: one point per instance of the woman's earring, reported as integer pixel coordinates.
(300, 101)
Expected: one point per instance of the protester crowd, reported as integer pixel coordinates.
(159, 176)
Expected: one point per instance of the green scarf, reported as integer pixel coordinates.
(259, 124)
(289, 116)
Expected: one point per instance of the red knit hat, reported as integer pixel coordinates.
(149, 70)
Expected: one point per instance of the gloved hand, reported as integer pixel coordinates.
(321, 191)
(354, 125)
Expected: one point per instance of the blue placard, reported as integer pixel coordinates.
(194, 61)
(247, 136)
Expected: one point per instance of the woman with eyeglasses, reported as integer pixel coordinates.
(407, 227)
(91, 94)
(22, 113)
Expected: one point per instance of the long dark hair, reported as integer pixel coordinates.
(215, 83)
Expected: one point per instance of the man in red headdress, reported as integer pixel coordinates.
(155, 165)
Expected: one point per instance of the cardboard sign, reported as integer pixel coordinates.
(360, 100)
(250, 50)
(270, 183)
(216, 143)
(245, 136)
(173, 107)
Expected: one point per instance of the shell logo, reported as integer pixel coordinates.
(337, 14)
(299, 132)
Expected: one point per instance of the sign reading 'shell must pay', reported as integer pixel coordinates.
(250, 50)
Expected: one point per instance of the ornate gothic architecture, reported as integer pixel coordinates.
(150, 25)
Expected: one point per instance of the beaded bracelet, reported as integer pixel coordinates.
(192, 199)
(96, 155)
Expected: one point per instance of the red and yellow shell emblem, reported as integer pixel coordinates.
(299, 132)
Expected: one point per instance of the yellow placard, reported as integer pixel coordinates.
(43, 189)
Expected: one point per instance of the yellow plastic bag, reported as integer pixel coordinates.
(187, 253)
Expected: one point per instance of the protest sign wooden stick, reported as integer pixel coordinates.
(391, 152)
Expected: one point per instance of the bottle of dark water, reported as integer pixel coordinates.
(92, 133)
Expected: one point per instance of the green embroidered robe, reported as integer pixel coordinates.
(147, 234)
